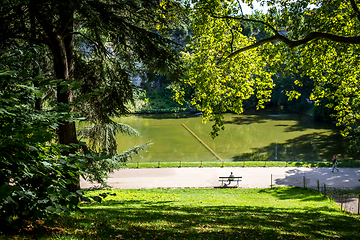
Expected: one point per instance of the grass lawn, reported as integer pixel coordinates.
(273, 213)
(241, 164)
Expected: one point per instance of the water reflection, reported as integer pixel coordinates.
(312, 146)
(251, 136)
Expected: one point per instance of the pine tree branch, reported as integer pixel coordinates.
(84, 36)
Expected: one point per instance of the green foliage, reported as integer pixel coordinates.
(332, 63)
(34, 173)
(255, 29)
(316, 39)
(322, 112)
(105, 131)
(158, 101)
(221, 83)
(108, 57)
(242, 163)
(98, 164)
(292, 90)
(333, 66)
(35, 170)
(335, 78)
(111, 40)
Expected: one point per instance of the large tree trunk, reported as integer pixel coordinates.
(62, 48)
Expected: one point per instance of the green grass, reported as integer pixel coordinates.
(241, 164)
(273, 213)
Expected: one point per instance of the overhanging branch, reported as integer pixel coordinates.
(254, 45)
(294, 43)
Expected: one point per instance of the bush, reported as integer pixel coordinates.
(33, 172)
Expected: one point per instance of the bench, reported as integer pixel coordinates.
(226, 179)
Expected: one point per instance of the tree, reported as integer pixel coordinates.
(221, 83)
(122, 33)
(325, 35)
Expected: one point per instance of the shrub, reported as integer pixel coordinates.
(33, 172)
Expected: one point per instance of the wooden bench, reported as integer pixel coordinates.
(226, 179)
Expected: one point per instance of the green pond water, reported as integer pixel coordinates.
(250, 136)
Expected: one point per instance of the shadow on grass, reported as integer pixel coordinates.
(214, 222)
(114, 203)
(196, 216)
(302, 194)
(197, 220)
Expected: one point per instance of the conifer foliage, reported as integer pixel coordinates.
(93, 48)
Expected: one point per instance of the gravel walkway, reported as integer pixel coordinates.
(253, 177)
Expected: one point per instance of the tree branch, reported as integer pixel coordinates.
(320, 35)
(255, 45)
(84, 36)
(355, 8)
(294, 43)
(247, 20)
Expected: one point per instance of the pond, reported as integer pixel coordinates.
(250, 136)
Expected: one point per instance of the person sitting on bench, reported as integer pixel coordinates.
(231, 177)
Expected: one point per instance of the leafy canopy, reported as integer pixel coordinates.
(222, 83)
(320, 37)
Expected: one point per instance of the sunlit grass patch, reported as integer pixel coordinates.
(240, 164)
(289, 213)
(272, 213)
